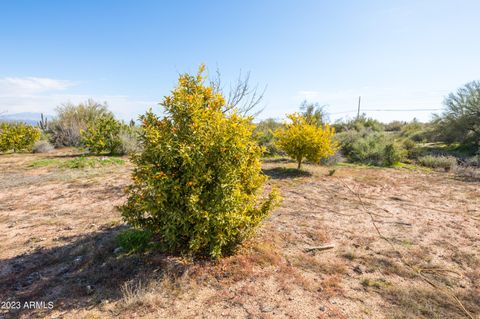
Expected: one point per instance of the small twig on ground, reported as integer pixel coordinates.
(320, 248)
(439, 270)
(397, 223)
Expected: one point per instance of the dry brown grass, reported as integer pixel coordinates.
(58, 228)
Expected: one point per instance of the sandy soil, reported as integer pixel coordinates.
(405, 245)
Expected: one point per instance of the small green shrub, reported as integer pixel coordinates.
(417, 131)
(346, 140)
(102, 135)
(445, 162)
(393, 154)
(369, 150)
(135, 240)
(412, 150)
(369, 147)
(17, 137)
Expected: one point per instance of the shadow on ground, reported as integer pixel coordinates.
(78, 275)
(277, 160)
(285, 173)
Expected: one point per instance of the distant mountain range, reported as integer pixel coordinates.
(25, 117)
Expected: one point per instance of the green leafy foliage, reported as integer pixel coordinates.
(412, 150)
(90, 162)
(65, 129)
(314, 113)
(359, 124)
(460, 122)
(17, 137)
(196, 182)
(302, 139)
(418, 132)
(394, 126)
(135, 240)
(44, 162)
(80, 162)
(369, 147)
(102, 135)
(264, 134)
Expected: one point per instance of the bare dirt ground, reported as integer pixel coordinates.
(406, 244)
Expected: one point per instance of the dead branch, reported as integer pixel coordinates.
(320, 248)
(241, 96)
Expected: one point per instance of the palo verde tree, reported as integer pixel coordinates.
(302, 139)
(196, 182)
(314, 113)
(460, 121)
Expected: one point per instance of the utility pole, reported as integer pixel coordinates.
(358, 112)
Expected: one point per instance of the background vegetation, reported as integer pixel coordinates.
(17, 137)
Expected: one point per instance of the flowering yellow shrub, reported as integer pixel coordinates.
(17, 136)
(301, 140)
(102, 135)
(196, 183)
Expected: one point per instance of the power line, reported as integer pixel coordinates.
(388, 110)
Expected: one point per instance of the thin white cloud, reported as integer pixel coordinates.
(44, 95)
(23, 86)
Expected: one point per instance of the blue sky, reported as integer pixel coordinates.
(395, 54)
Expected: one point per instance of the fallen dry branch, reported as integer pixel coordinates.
(394, 222)
(319, 248)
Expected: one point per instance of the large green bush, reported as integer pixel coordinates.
(71, 119)
(196, 183)
(417, 131)
(369, 147)
(460, 121)
(17, 136)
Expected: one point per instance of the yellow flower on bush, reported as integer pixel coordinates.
(209, 199)
(17, 136)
